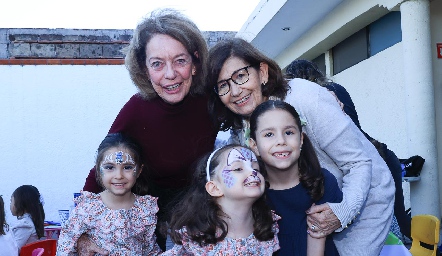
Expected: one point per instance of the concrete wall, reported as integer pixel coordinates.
(436, 37)
(63, 43)
(52, 120)
(75, 43)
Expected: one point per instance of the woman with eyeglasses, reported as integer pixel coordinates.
(240, 78)
(168, 117)
(308, 70)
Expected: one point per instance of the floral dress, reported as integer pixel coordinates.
(120, 232)
(229, 246)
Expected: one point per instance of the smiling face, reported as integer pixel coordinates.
(243, 99)
(237, 176)
(278, 140)
(118, 171)
(169, 67)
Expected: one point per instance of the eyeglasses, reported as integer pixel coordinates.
(180, 62)
(239, 77)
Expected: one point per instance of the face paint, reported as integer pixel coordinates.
(118, 171)
(241, 154)
(254, 178)
(120, 158)
(248, 155)
(228, 178)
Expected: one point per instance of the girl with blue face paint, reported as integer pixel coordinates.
(118, 220)
(225, 210)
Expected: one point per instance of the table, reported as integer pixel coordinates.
(51, 231)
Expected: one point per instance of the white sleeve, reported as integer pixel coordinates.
(22, 230)
(336, 139)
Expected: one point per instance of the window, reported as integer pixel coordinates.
(385, 32)
(351, 51)
(374, 38)
(320, 62)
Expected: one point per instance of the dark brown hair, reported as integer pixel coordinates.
(120, 140)
(307, 70)
(201, 215)
(3, 224)
(27, 199)
(277, 86)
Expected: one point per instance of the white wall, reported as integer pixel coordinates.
(436, 37)
(52, 120)
(376, 86)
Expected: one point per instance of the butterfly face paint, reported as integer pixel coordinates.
(242, 154)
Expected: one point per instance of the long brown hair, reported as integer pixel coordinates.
(201, 215)
(27, 199)
(3, 224)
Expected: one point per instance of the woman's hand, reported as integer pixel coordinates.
(86, 247)
(321, 221)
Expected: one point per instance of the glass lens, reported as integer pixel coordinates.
(241, 76)
(223, 87)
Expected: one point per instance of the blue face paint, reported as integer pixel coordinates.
(119, 157)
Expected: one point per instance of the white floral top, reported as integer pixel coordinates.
(120, 232)
(229, 246)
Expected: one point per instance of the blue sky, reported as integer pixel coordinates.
(213, 15)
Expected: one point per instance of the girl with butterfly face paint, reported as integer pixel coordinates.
(225, 210)
(238, 178)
